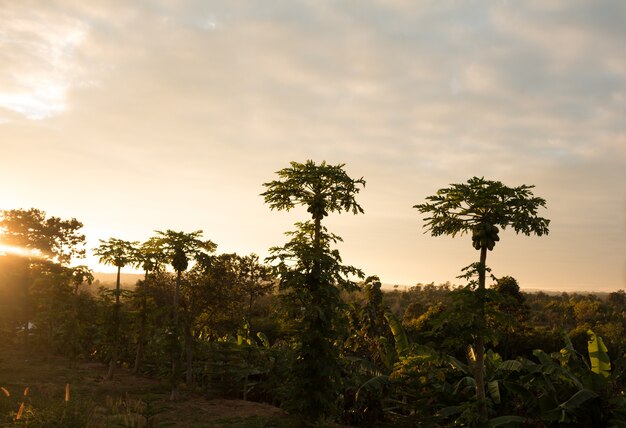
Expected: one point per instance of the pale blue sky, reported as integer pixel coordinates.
(136, 116)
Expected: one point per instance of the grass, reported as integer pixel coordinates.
(51, 393)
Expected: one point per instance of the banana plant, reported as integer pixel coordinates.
(598, 355)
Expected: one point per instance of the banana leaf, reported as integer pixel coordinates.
(506, 421)
(600, 362)
(402, 341)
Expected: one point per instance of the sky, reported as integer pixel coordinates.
(141, 116)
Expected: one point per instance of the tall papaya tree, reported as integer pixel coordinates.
(150, 258)
(78, 275)
(179, 248)
(311, 277)
(118, 253)
(478, 207)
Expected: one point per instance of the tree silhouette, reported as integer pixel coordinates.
(480, 206)
(179, 247)
(50, 238)
(311, 275)
(38, 242)
(118, 253)
(150, 258)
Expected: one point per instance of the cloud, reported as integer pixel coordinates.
(207, 99)
(37, 60)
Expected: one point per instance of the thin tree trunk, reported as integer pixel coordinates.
(189, 355)
(175, 395)
(74, 327)
(318, 249)
(116, 329)
(480, 341)
(142, 327)
(27, 306)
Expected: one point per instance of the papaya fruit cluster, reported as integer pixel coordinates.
(485, 236)
(318, 209)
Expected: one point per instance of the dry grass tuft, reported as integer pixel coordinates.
(19, 412)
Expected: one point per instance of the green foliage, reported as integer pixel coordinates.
(321, 188)
(179, 247)
(547, 391)
(308, 259)
(36, 253)
(480, 204)
(324, 359)
(371, 336)
(508, 286)
(311, 277)
(598, 356)
(54, 239)
(116, 252)
(399, 335)
(119, 253)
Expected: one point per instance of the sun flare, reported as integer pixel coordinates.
(18, 251)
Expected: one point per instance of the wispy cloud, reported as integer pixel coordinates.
(412, 95)
(37, 58)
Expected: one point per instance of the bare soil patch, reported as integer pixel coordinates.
(127, 396)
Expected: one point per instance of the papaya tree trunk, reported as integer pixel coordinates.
(175, 395)
(142, 327)
(28, 304)
(189, 355)
(480, 340)
(116, 328)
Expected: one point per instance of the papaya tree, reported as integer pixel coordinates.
(311, 277)
(149, 258)
(78, 276)
(119, 253)
(479, 207)
(179, 247)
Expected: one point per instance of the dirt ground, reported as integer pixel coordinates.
(127, 394)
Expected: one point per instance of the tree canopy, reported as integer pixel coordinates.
(311, 274)
(462, 207)
(57, 240)
(321, 188)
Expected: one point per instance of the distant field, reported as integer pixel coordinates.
(127, 279)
